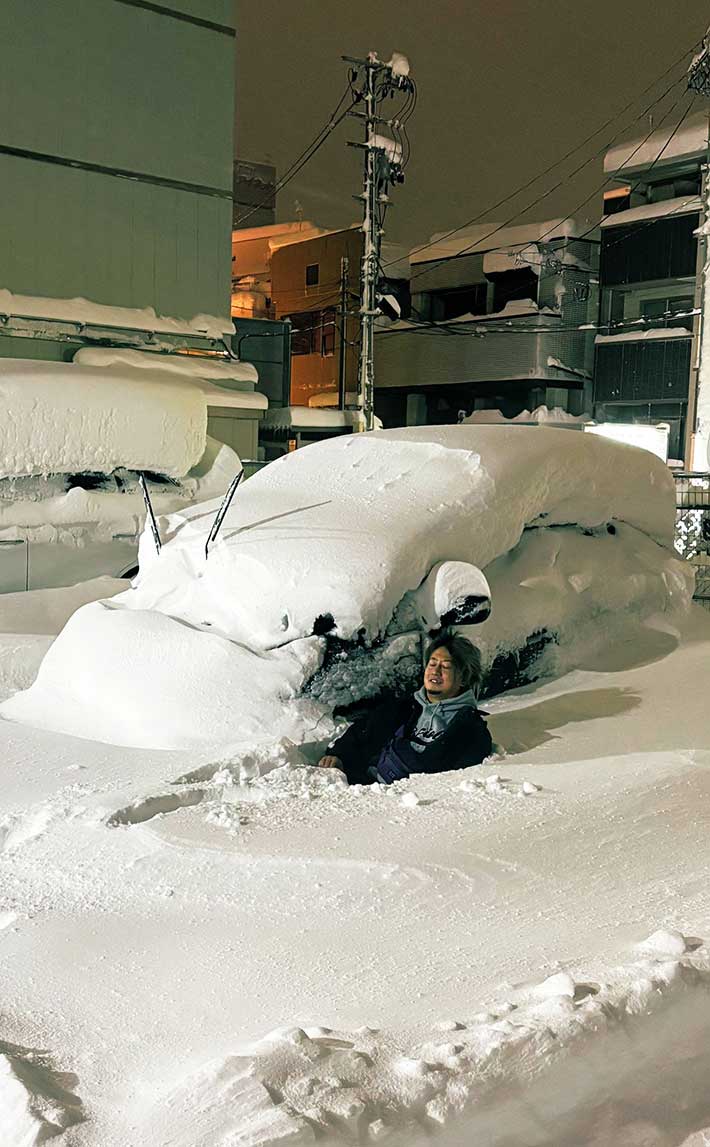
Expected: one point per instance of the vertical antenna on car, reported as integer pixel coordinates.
(216, 525)
(149, 513)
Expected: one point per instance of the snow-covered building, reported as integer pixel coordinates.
(254, 189)
(500, 318)
(646, 355)
(116, 167)
(310, 277)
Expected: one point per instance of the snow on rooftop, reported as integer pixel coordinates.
(682, 205)
(83, 311)
(493, 236)
(59, 417)
(664, 146)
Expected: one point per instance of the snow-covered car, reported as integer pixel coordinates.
(72, 444)
(335, 563)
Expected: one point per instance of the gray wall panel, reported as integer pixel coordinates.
(65, 232)
(107, 83)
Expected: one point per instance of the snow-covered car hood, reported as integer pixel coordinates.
(346, 527)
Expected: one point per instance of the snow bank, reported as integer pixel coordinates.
(172, 685)
(64, 418)
(540, 415)
(560, 1061)
(191, 366)
(83, 311)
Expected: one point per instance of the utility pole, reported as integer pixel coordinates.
(343, 358)
(372, 82)
(699, 405)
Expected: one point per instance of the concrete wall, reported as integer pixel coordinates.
(116, 152)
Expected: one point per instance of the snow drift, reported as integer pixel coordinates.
(66, 418)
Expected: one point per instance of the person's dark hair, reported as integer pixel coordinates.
(464, 654)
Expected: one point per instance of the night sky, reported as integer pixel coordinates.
(505, 89)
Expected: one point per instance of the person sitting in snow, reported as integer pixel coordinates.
(438, 729)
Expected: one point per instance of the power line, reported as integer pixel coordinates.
(307, 154)
(500, 226)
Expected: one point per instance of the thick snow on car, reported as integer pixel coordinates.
(336, 562)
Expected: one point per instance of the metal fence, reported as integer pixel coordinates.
(692, 528)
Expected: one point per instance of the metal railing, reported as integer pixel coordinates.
(692, 528)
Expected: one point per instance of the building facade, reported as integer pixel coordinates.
(116, 158)
(495, 323)
(647, 346)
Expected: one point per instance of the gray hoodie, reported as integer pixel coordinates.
(437, 715)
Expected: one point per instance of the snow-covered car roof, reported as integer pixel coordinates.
(346, 527)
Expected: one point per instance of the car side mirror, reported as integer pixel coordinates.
(454, 593)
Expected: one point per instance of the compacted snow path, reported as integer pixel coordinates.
(194, 953)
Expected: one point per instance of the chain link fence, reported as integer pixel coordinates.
(692, 528)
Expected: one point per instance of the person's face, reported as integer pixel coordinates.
(442, 679)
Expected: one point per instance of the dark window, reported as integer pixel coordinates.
(652, 369)
(458, 301)
(313, 332)
(649, 250)
(304, 327)
(512, 285)
(669, 312)
(614, 203)
(312, 274)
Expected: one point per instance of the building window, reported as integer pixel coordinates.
(668, 312)
(313, 332)
(458, 301)
(655, 370)
(651, 250)
(513, 286)
(312, 274)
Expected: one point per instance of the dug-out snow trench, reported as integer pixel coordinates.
(642, 1082)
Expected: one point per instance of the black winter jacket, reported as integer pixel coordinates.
(466, 741)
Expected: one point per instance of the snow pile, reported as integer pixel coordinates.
(81, 312)
(540, 415)
(63, 418)
(180, 686)
(531, 1069)
(211, 367)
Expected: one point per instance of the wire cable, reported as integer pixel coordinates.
(540, 175)
(307, 154)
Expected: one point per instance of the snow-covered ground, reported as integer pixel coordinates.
(193, 953)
